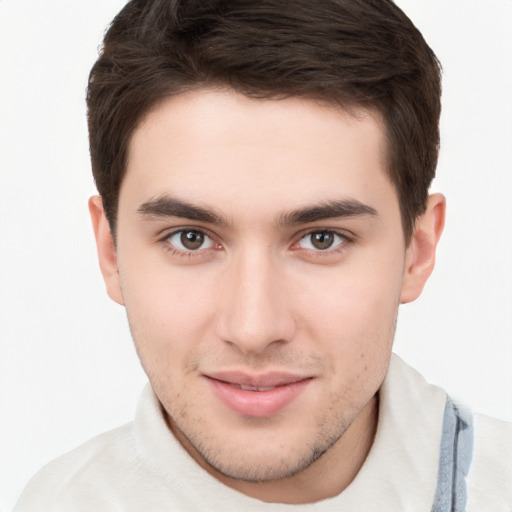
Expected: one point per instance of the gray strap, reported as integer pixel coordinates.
(455, 459)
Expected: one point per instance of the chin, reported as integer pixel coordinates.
(266, 461)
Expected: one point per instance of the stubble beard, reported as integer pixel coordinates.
(237, 465)
(219, 457)
(233, 462)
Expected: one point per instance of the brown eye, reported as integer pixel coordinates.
(321, 240)
(190, 240)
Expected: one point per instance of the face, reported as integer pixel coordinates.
(261, 260)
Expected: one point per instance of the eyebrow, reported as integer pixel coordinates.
(167, 206)
(327, 210)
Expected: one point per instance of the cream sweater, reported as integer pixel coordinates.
(140, 467)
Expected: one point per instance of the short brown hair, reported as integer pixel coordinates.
(349, 52)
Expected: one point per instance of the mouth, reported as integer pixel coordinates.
(251, 388)
(260, 396)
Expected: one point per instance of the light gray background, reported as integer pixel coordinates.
(67, 366)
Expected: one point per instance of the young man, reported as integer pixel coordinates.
(263, 170)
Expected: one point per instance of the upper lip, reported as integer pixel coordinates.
(263, 380)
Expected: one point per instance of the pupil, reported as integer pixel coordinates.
(322, 240)
(192, 239)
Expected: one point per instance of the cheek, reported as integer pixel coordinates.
(354, 311)
(354, 299)
(168, 311)
(356, 328)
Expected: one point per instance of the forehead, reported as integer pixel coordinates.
(226, 150)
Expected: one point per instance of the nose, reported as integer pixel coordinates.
(254, 310)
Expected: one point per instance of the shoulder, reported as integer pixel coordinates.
(490, 476)
(84, 470)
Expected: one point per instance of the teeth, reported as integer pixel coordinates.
(252, 388)
(248, 388)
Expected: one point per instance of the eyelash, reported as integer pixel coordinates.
(190, 253)
(346, 240)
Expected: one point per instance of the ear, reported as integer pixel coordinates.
(106, 249)
(421, 253)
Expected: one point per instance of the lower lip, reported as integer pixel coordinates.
(257, 404)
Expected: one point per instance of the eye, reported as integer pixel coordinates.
(321, 240)
(190, 240)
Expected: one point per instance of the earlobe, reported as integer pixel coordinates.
(421, 252)
(106, 249)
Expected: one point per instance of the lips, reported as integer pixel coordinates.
(257, 396)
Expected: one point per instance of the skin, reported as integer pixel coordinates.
(258, 295)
